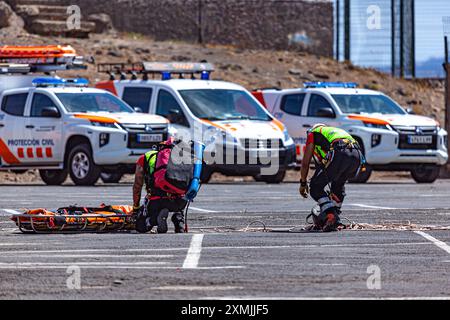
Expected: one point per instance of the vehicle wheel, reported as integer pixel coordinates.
(426, 174)
(53, 177)
(111, 177)
(82, 168)
(363, 177)
(275, 179)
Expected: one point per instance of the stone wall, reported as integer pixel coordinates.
(266, 24)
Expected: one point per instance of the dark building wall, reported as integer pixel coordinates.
(266, 24)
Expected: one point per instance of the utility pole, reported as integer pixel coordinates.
(446, 23)
(447, 92)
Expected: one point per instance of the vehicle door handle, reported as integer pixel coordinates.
(1, 125)
(29, 127)
(306, 126)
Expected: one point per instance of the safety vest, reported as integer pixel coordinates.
(331, 134)
(149, 168)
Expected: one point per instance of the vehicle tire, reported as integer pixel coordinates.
(275, 179)
(111, 177)
(426, 174)
(53, 177)
(362, 177)
(81, 166)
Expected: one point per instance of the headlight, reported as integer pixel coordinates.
(104, 124)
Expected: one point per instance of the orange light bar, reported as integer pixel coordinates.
(99, 119)
(54, 51)
(366, 119)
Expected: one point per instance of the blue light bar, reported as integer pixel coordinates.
(348, 85)
(205, 75)
(57, 82)
(166, 75)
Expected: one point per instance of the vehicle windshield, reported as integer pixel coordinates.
(93, 102)
(366, 103)
(218, 104)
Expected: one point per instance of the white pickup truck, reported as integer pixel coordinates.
(61, 127)
(392, 139)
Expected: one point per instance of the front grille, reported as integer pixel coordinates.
(262, 143)
(135, 129)
(406, 132)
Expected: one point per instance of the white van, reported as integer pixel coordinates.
(242, 137)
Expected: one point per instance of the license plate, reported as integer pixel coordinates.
(420, 139)
(149, 137)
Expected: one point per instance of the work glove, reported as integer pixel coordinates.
(304, 190)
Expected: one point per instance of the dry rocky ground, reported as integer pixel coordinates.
(250, 68)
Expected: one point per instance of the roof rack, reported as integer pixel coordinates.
(348, 85)
(42, 59)
(165, 69)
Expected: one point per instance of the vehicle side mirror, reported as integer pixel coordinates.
(50, 112)
(325, 113)
(138, 110)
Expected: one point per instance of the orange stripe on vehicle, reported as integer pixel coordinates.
(20, 153)
(108, 86)
(95, 118)
(368, 119)
(48, 152)
(279, 124)
(213, 124)
(6, 154)
(30, 153)
(39, 153)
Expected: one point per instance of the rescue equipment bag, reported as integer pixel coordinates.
(170, 168)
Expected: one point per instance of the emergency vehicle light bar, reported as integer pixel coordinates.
(165, 69)
(348, 85)
(57, 82)
(39, 59)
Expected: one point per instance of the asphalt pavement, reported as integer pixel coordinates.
(219, 260)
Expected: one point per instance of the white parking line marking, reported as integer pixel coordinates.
(195, 250)
(81, 264)
(10, 212)
(50, 267)
(95, 256)
(435, 241)
(203, 210)
(372, 207)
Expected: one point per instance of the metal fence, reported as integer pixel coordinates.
(402, 37)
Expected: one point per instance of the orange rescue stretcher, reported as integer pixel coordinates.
(76, 219)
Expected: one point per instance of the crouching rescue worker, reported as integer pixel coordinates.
(338, 158)
(171, 175)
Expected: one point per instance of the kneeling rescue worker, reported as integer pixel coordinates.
(338, 158)
(171, 174)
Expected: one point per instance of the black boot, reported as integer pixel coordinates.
(178, 222)
(162, 221)
(331, 220)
